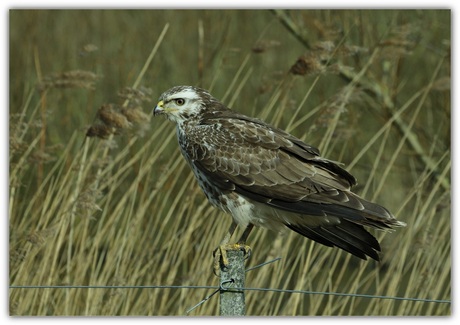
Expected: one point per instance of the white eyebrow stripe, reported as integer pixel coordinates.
(186, 94)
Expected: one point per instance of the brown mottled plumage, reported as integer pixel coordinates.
(265, 177)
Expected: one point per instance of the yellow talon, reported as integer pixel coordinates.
(220, 255)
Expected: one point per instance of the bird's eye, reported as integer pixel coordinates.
(179, 101)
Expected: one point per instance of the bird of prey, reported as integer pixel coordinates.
(263, 176)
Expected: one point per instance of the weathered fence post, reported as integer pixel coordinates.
(232, 301)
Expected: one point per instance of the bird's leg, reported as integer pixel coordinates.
(241, 243)
(220, 254)
(245, 234)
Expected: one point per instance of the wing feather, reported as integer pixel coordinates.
(271, 164)
(348, 236)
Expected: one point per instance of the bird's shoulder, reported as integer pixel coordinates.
(235, 129)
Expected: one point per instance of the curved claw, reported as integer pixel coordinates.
(247, 252)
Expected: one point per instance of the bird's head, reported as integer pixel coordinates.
(182, 103)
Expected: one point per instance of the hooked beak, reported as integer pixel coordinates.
(158, 109)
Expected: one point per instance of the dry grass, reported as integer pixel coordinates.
(98, 196)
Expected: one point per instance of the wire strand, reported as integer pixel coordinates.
(307, 292)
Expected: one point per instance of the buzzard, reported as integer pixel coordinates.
(263, 176)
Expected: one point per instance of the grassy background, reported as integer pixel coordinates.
(373, 92)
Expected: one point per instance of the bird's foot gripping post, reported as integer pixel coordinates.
(221, 256)
(232, 277)
(221, 260)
